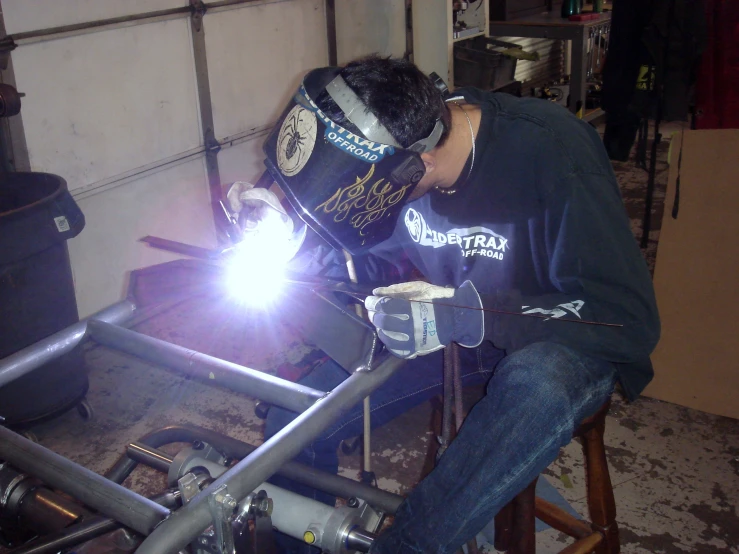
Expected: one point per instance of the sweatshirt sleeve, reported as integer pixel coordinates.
(596, 273)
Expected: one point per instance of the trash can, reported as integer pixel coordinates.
(37, 299)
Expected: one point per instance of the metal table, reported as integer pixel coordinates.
(551, 25)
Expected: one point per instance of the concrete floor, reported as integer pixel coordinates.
(675, 470)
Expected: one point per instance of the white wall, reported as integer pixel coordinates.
(369, 26)
(106, 109)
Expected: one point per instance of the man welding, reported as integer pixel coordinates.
(499, 203)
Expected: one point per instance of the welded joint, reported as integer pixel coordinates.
(211, 142)
(367, 365)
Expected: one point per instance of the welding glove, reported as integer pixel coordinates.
(260, 211)
(418, 318)
(257, 206)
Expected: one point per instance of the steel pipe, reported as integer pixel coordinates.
(233, 448)
(251, 382)
(149, 456)
(360, 540)
(71, 536)
(36, 355)
(84, 531)
(93, 490)
(187, 523)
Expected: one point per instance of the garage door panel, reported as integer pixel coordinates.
(257, 56)
(370, 26)
(243, 161)
(173, 204)
(104, 103)
(29, 15)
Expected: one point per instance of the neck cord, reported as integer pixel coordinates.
(449, 191)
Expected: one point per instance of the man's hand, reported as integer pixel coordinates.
(264, 221)
(418, 318)
(258, 208)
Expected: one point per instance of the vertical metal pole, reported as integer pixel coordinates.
(366, 411)
(212, 147)
(14, 148)
(333, 55)
(577, 81)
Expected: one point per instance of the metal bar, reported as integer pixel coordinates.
(14, 135)
(140, 172)
(93, 490)
(84, 531)
(182, 248)
(331, 32)
(34, 356)
(149, 456)
(185, 524)
(51, 33)
(234, 448)
(71, 536)
(360, 540)
(235, 377)
(577, 81)
(205, 103)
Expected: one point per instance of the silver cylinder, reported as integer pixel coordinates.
(36, 355)
(298, 516)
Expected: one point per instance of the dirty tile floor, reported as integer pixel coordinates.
(675, 470)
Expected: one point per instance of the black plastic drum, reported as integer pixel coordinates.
(37, 299)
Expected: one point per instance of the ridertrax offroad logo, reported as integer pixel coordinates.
(475, 241)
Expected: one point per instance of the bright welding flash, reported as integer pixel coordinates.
(255, 271)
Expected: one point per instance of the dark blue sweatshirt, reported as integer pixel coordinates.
(539, 227)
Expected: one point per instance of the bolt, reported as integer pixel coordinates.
(265, 506)
(352, 502)
(198, 445)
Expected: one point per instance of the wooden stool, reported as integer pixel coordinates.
(515, 523)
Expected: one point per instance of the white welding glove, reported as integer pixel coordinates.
(259, 212)
(257, 207)
(418, 318)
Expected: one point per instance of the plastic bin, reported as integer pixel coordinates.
(37, 299)
(480, 62)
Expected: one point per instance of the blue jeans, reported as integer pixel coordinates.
(535, 399)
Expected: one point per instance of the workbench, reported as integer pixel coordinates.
(550, 25)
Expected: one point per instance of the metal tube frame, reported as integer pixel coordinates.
(171, 531)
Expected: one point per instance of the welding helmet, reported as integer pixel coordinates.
(349, 188)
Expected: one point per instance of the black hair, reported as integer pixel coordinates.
(405, 100)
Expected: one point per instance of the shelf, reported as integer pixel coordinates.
(478, 34)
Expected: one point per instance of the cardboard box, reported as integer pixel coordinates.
(697, 277)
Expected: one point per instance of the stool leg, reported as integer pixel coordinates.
(524, 521)
(601, 502)
(504, 528)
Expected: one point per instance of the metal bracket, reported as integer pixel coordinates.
(222, 508)
(211, 143)
(188, 487)
(197, 9)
